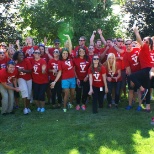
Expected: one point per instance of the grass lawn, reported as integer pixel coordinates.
(111, 131)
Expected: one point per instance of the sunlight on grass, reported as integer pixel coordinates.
(74, 151)
(106, 150)
(144, 144)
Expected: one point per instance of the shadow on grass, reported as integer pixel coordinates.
(111, 131)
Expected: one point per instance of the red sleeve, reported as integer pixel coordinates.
(89, 70)
(29, 65)
(3, 78)
(103, 70)
(59, 66)
(125, 60)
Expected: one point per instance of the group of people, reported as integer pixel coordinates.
(61, 74)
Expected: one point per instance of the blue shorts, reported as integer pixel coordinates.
(68, 83)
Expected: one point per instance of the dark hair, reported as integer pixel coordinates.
(41, 45)
(98, 67)
(150, 43)
(15, 56)
(109, 39)
(86, 57)
(64, 49)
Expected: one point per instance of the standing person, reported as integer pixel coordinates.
(29, 48)
(97, 81)
(53, 70)
(40, 80)
(132, 64)
(66, 72)
(81, 63)
(113, 72)
(91, 51)
(41, 47)
(7, 79)
(24, 78)
(3, 59)
(141, 78)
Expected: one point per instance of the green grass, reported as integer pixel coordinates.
(111, 131)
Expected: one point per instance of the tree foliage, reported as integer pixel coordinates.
(77, 18)
(142, 11)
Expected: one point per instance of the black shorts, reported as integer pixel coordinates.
(39, 91)
(129, 86)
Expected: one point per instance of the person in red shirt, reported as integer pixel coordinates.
(132, 64)
(66, 72)
(113, 73)
(41, 47)
(53, 70)
(141, 78)
(29, 48)
(40, 80)
(3, 59)
(91, 51)
(98, 84)
(24, 68)
(81, 64)
(7, 79)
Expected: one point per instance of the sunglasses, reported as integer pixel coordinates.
(81, 40)
(95, 58)
(37, 53)
(1, 52)
(91, 48)
(120, 41)
(56, 51)
(57, 43)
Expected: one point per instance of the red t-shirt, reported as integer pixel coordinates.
(45, 57)
(7, 77)
(67, 68)
(112, 74)
(37, 75)
(98, 51)
(131, 59)
(53, 64)
(26, 65)
(152, 56)
(28, 50)
(3, 63)
(97, 76)
(81, 67)
(144, 57)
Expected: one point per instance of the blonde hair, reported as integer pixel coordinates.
(112, 67)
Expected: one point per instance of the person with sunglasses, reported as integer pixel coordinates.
(29, 48)
(67, 74)
(53, 71)
(39, 79)
(8, 78)
(113, 73)
(98, 84)
(132, 64)
(24, 78)
(141, 78)
(3, 59)
(81, 65)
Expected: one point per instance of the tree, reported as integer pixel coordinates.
(142, 12)
(76, 18)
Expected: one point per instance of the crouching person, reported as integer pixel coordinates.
(7, 79)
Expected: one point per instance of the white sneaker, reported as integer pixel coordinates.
(65, 110)
(28, 110)
(25, 111)
(70, 106)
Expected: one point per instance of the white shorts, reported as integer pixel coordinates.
(25, 88)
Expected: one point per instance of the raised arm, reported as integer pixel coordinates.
(69, 43)
(92, 38)
(138, 37)
(101, 36)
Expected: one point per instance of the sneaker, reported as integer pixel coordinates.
(28, 110)
(25, 111)
(128, 107)
(78, 107)
(38, 109)
(42, 110)
(64, 110)
(139, 108)
(152, 120)
(70, 106)
(144, 94)
(83, 107)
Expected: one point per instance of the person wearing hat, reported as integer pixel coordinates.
(67, 74)
(7, 79)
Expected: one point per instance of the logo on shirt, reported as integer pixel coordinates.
(68, 63)
(9, 79)
(135, 59)
(35, 67)
(96, 75)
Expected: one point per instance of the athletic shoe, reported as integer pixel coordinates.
(139, 108)
(38, 109)
(70, 106)
(42, 110)
(25, 111)
(28, 110)
(128, 107)
(78, 107)
(64, 110)
(144, 94)
(152, 120)
(83, 107)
